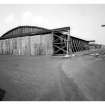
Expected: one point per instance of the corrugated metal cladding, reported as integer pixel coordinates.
(31, 40)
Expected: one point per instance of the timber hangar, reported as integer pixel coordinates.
(32, 40)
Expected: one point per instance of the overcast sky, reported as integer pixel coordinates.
(85, 20)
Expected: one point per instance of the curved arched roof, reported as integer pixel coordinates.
(21, 31)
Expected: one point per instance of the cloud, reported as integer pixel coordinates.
(10, 18)
(28, 18)
(25, 18)
(9, 22)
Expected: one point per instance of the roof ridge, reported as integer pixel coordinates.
(24, 26)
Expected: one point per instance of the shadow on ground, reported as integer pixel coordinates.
(2, 94)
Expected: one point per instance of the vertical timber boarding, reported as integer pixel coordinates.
(28, 45)
(41, 44)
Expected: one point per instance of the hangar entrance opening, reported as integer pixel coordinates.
(59, 43)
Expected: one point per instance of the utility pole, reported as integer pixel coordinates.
(68, 38)
(68, 45)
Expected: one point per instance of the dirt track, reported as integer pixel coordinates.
(36, 78)
(52, 78)
(88, 72)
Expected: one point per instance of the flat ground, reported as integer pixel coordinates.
(53, 78)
